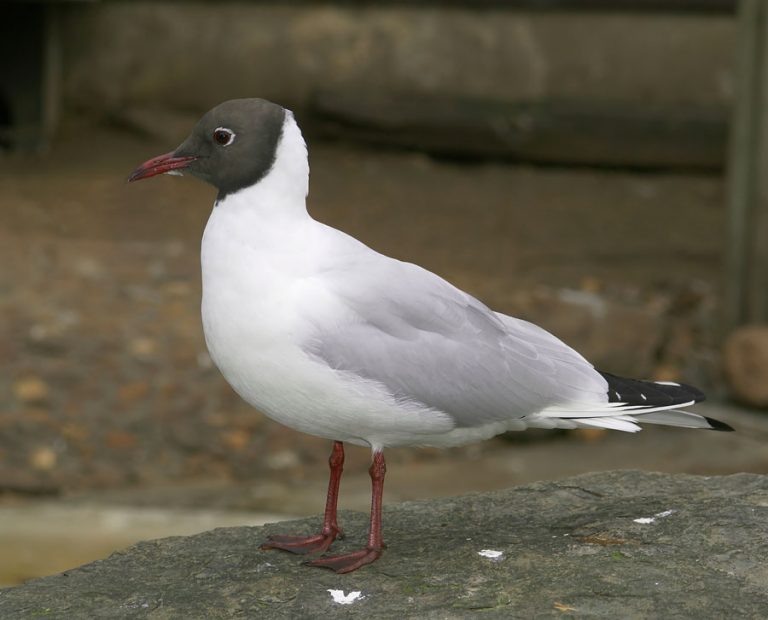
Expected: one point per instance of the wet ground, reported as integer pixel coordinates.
(108, 398)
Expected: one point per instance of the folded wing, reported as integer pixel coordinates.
(426, 341)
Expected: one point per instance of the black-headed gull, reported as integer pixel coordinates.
(331, 338)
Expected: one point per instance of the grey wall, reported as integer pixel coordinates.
(191, 55)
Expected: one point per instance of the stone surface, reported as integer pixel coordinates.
(745, 361)
(610, 545)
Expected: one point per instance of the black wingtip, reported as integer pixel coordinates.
(697, 394)
(717, 425)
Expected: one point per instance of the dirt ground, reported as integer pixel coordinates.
(107, 394)
(106, 380)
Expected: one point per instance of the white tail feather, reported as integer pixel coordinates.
(616, 416)
(614, 424)
(683, 419)
(582, 410)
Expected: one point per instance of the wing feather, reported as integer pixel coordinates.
(426, 341)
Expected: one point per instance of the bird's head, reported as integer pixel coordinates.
(232, 147)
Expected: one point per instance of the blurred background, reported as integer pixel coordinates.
(591, 165)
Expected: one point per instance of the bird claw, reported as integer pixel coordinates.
(301, 545)
(347, 562)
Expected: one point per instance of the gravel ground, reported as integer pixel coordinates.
(104, 378)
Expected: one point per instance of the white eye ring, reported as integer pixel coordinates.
(223, 136)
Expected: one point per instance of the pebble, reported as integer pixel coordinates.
(143, 348)
(121, 440)
(284, 459)
(131, 392)
(590, 434)
(89, 268)
(43, 458)
(236, 439)
(666, 372)
(31, 390)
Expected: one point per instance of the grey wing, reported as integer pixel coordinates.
(429, 342)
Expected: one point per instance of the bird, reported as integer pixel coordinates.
(328, 337)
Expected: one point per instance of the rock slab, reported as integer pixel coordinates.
(608, 545)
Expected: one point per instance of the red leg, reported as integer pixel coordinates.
(319, 542)
(348, 562)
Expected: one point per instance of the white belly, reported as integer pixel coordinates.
(258, 308)
(294, 389)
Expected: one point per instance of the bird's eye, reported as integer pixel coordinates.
(223, 136)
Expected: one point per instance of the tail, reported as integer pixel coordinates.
(632, 402)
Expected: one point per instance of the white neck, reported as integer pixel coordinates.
(285, 186)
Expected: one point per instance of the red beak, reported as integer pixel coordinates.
(160, 165)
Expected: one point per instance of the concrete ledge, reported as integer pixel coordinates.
(610, 545)
(190, 56)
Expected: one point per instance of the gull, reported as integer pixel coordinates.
(328, 337)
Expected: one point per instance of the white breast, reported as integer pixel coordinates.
(260, 303)
(252, 289)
